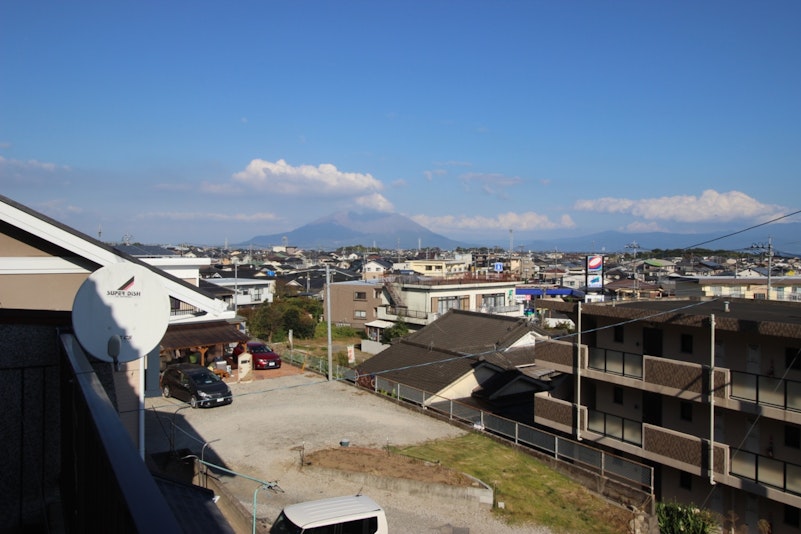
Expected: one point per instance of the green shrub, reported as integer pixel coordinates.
(675, 518)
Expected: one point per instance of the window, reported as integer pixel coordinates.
(360, 295)
(792, 358)
(686, 411)
(617, 333)
(446, 303)
(617, 395)
(687, 343)
(494, 300)
(792, 436)
(359, 314)
(685, 481)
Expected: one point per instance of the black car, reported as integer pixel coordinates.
(194, 384)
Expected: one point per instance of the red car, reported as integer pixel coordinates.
(263, 356)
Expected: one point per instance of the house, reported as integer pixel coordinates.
(72, 429)
(420, 300)
(706, 390)
(441, 268)
(374, 269)
(355, 303)
(477, 358)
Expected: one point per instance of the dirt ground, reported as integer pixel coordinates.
(384, 463)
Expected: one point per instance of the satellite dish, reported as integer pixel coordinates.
(121, 312)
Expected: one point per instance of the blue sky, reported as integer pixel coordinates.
(212, 122)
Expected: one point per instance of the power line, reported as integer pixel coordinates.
(744, 230)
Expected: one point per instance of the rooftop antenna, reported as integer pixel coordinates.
(634, 246)
(99, 232)
(126, 239)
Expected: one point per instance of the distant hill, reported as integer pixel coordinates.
(392, 231)
(349, 228)
(786, 240)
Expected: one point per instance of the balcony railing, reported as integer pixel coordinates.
(614, 426)
(767, 471)
(616, 362)
(766, 390)
(106, 486)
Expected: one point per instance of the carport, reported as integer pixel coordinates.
(208, 338)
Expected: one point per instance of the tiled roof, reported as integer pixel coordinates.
(447, 349)
(417, 366)
(465, 331)
(773, 318)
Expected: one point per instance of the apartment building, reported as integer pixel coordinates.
(706, 390)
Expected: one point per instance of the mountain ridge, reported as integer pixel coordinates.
(394, 231)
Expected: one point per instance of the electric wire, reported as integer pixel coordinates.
(743, 230)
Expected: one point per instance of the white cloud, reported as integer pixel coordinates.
(220, 189)
(710, 206)
(284, 179)
(492, 184)
(205, 216)
(429, 175)
(504, 221)
(31, 164)
(640, 226)
(376, 201)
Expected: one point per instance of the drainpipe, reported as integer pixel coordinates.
(578, 375)
(712, 399)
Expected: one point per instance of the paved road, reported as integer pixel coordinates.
(273, 417)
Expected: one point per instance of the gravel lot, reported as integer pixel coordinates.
(282, 411)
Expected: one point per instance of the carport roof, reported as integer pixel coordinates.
(195, 335)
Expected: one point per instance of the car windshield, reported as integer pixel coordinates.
(259, 349)
(282, 525)
(204, 377)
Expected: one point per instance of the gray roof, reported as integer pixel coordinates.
(437, 355)
(465, 331)
(774, 318)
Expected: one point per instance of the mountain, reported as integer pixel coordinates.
(784, 237)
(392, 231)
(350, 228)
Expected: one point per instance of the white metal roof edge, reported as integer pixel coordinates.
(82, 246)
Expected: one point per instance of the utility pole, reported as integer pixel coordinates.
(769, 249)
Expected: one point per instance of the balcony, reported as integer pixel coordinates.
(687, 380)
(766, 390)
(396, 313)
(765, 470)
(616, 427)
(616, 362)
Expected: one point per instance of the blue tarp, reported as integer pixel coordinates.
(549, 292)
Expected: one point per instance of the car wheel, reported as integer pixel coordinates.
(165, 391)
(193, 401)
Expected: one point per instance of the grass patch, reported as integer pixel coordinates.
(531, 491)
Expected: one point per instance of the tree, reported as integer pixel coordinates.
(397, 330)
(273, 320)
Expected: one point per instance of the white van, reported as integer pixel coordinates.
(357, 514)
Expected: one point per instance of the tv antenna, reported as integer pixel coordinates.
(634, 246)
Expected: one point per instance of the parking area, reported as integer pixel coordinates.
(284, 413)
